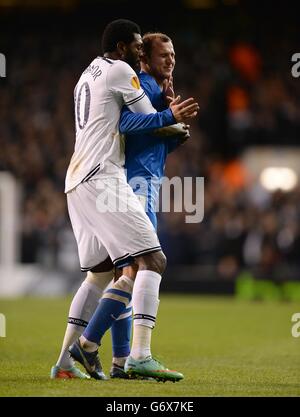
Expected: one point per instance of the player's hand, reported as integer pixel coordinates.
(168, 89)
(180, 129)
(185, 110)
(186, 136)
(184, 132)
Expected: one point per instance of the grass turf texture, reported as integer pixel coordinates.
(224, 347)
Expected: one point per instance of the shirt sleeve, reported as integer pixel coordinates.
(141, 123)
(124, 82)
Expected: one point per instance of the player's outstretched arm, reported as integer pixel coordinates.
(184, 111)
(144, 123)
(164, 121)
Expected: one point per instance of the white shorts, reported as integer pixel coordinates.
(108, 220)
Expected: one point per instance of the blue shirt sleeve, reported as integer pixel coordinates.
(139, 122)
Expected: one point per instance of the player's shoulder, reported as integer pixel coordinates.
(147, 79)
(120, 72)
(148, 82)
(107, 63)
(94, 70)
(121, 66)
(143, 76)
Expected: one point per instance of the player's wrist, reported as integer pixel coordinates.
(172, 117)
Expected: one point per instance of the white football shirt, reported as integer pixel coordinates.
(102, 90)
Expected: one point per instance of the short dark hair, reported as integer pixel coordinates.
(121, 30)
(150, 37)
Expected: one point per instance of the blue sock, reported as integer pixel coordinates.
(112, 304)
(120, 335)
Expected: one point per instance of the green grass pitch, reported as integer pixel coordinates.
(224, 347)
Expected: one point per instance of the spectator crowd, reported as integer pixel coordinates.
(247, 97)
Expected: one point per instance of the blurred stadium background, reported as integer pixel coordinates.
(234, 57)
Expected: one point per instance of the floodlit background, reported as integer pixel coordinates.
(235, 58)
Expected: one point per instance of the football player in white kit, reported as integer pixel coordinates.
(109, 222)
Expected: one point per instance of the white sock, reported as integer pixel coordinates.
(82, 308)
(145, 305)
(141, 343)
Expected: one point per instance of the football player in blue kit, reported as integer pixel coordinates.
(145, 158)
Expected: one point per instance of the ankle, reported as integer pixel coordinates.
(87, 345)
(140, 355)
(119, 361)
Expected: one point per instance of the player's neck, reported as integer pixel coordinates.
(112, 55)
(159, 82)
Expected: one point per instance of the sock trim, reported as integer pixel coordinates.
(77, 322)
(125, 315)
(115, 297)
(119, 292)
(143, 316)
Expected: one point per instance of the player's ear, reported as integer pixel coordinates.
(143, 57)
(121, 48)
